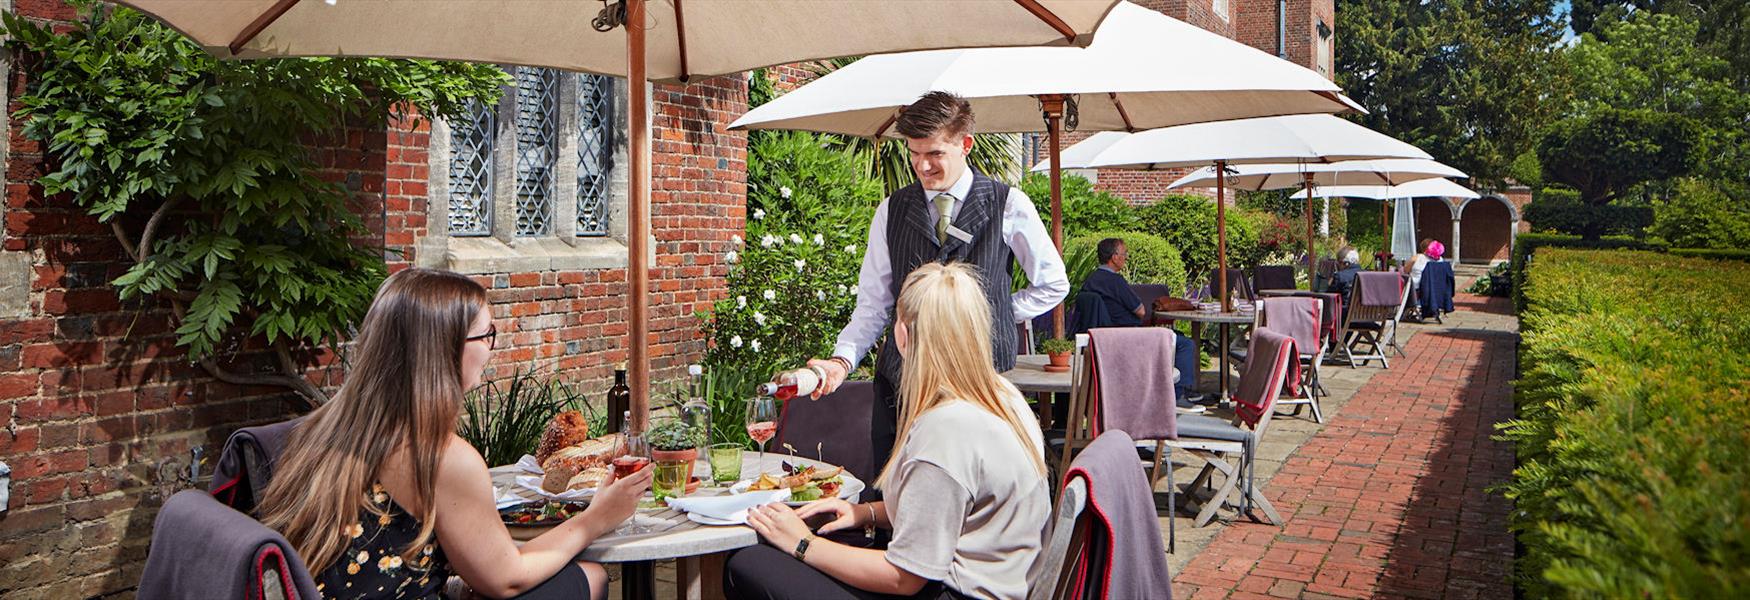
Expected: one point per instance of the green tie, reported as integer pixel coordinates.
(943, 203)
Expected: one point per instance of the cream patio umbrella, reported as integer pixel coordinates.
(1402, 193)
(1117, 83)
(725, 36)
(1229, 145)
(1308, 176)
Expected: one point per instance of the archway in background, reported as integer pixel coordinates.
(1486, 230)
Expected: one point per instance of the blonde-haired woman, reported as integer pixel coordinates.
(966, 496)
(379, 495)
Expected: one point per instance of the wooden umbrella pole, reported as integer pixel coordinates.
(1385, 226)
(638, 229)
(1227, 301)
(1311, 255)
(1052, 105)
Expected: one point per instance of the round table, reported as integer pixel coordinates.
(1224, 321)
(671, 536)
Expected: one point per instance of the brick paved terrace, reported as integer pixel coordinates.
(1389, 498)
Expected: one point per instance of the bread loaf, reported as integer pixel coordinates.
(568, 428)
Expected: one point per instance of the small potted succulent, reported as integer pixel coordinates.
(675, 440)
(1058, 350)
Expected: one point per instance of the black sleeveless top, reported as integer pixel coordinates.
(372, 567)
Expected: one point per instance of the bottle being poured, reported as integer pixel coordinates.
(793, 383)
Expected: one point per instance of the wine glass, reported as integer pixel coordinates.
(762, 422)
(634, 455)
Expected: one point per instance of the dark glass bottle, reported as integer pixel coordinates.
(619, 400)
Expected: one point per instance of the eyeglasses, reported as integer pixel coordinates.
(491, 337)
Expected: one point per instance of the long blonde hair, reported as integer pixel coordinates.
(947, 355)
(403, 392)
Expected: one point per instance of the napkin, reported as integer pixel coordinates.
(529, 465)
(505, 498)
(533, 484)
(728, 508)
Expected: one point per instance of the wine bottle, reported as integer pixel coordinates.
(619, 400)
(792, 383)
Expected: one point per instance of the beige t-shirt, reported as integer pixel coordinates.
(968, 508)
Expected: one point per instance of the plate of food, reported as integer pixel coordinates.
(806, 483)
(540, 514)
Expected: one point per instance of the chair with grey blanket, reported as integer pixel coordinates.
(202, 548)
(1217, 442)
(1105, 539)
(1376, 303)
(246, 464)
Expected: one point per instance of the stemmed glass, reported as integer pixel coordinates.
(762, 422)
(634, 455)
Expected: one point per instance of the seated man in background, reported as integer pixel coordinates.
(1343, 281)
(1124, 309)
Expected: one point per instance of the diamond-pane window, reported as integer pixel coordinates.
(471, 172)
(595, 152)
(537, 104)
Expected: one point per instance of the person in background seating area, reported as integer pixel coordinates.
(1126, 310)
(1343, 281)
(1413, 267)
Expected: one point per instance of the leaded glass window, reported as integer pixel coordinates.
(537, 115)
(471, 172)
(595, 152)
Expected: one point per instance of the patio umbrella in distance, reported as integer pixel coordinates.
(1229, 145)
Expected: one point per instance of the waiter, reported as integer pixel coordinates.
(951, 214)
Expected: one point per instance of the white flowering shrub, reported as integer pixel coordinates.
(792, 280)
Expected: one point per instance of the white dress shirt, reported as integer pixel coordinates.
(1021, 230)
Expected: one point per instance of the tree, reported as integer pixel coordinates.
(1657, 61)
(203, 171)
(1605, 153)
(1467, 80)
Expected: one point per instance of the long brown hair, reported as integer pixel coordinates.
(404, 391)
(948, 356)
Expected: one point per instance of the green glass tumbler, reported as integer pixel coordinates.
(725, 463)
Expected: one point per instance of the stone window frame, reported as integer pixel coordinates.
(1222, 8)
(501, 251)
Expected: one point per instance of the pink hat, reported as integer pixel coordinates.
(1435, 249)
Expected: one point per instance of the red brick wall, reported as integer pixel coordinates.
(94, 397)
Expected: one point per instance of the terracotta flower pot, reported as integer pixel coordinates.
(690, 455)
(1059, 362)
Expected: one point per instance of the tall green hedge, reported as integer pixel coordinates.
(1634, 476)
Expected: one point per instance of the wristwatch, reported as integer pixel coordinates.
(802, 547)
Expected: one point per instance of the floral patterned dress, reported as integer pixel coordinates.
(372, 566)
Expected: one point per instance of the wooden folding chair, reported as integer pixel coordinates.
(1215, 441)
(1077, 430)
(1373, 329)
(1063, 544)
(1308, 342)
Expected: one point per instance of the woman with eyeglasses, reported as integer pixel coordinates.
(379, 495)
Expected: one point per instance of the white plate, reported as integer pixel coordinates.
(532, 484)
(704, 520)
(848, 489)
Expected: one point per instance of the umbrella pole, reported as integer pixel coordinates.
(1227, 301)
(1052, 105)
(638, 229)
(1311, 256)
(1385, 226)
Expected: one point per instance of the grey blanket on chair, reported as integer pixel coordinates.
(1134, 388)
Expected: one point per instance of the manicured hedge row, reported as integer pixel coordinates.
(1526, 244)
(1634, 476)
